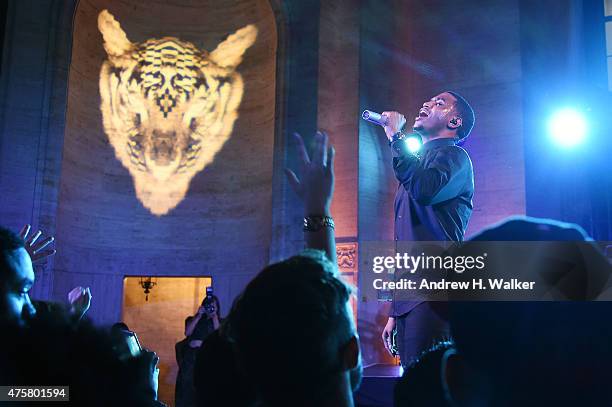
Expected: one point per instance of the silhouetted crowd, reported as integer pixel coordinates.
(290, 338)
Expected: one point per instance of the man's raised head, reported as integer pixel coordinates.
(445, 115)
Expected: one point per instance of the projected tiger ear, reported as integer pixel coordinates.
(229, 53)
(116, 42)
(168, 108)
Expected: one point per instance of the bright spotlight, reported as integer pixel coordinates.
(413, 144)
(567, 127)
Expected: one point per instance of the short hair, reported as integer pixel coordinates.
(467, 116)
(288, 327)
(9, 242)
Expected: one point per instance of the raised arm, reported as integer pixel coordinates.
(315, 187)
(193, 322)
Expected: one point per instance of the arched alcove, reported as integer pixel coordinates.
(222, 225)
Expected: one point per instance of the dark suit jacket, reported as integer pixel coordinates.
(434, 196)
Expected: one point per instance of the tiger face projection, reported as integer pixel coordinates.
(168, 107)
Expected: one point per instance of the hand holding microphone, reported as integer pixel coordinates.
(395, 123)
(392, 122)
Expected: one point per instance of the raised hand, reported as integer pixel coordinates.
(315, 186)
(34, 247)
(395, 122)
(80, 300)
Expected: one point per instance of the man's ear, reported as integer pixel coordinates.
(351, 353)
(455, 123)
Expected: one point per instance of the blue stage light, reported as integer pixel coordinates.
(413, 144)
(567, 127)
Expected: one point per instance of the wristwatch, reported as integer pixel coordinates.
(316, 223)
(397, 136)
(399, 146)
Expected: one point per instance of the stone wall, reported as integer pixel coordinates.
(33, 80)
(222, 227)
(335, 58)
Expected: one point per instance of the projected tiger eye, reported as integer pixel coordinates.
(172, 78)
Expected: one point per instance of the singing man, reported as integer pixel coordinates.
(433, 203)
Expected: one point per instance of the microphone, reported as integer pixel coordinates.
(374, 117)
(412, 140)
